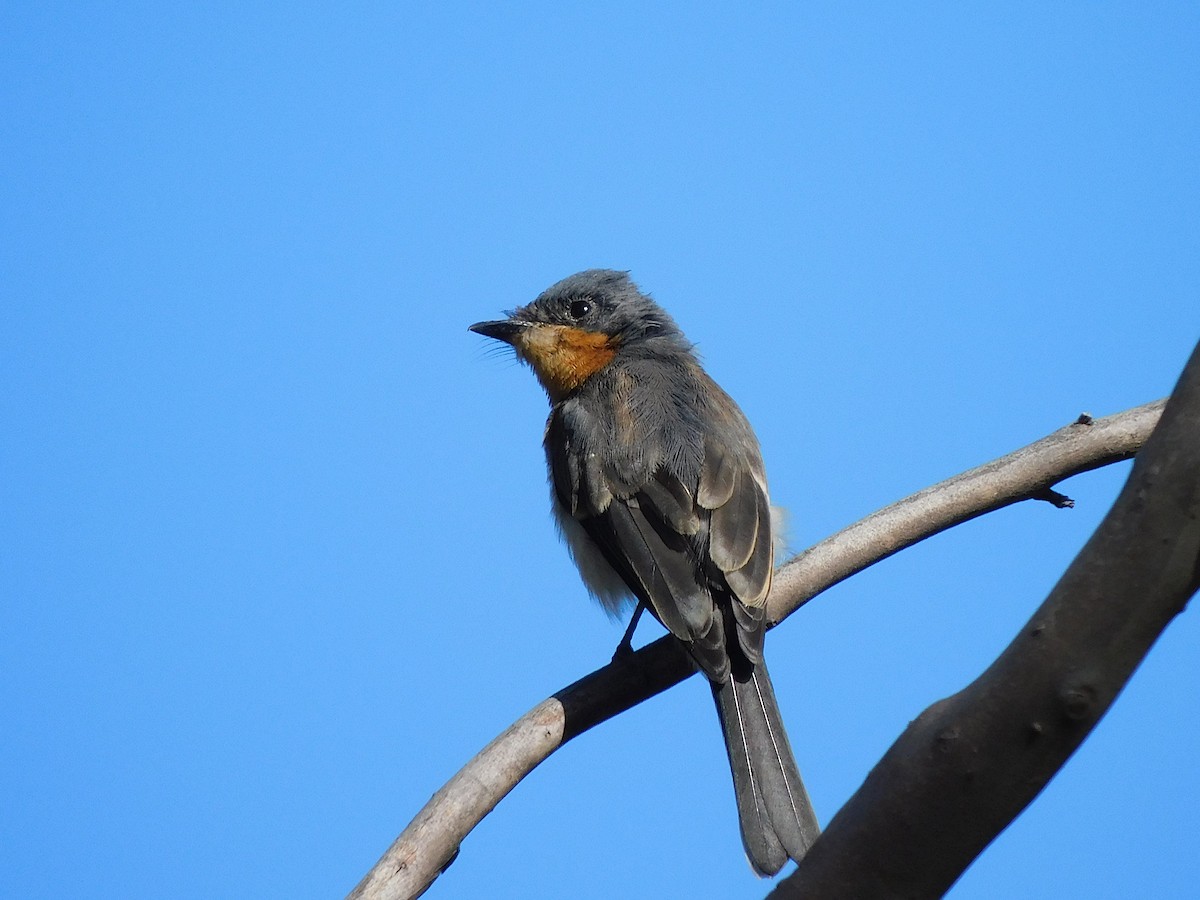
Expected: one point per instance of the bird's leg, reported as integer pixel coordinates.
(625, 648)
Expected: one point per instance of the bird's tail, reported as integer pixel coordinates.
(777, 819)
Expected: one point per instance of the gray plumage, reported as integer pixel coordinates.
(659, 485)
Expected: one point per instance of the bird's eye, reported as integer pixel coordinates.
(580, 308)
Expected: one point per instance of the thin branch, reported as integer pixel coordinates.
(972, 762)
(430, 842)
(1025, 474)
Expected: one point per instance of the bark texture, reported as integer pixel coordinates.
(970, 763)
(431, 841)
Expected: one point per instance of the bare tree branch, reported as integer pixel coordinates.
(1026, 474)
(970, 763)
(431, 840)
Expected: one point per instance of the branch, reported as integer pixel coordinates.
(1026, 474)
(971, 763)
(430, 842)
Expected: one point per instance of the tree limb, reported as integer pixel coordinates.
(1025, 474)
(430, 842)
(972, 762)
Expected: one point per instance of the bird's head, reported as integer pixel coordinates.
(578, 326)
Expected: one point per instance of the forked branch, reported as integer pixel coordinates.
(431, 840)
(970, 763)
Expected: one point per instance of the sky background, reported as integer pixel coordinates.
(275, 553)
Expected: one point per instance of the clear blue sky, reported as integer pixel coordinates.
(275, 553)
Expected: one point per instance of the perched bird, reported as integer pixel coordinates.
(658, 487)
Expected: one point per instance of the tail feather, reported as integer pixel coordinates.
(776, 816)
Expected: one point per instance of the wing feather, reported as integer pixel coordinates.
(751, 581)
(735, 524)
(692, 541)
(717, 474)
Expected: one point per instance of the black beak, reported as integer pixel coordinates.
(503, 330)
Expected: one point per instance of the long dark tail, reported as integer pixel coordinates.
(776, 816)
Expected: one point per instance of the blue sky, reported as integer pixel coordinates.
(276, 556)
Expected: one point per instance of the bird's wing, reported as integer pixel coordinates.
(693, 549)
(733, 488)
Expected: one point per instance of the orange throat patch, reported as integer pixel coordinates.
(563, 357)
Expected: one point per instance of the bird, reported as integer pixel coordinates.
(659, 489)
